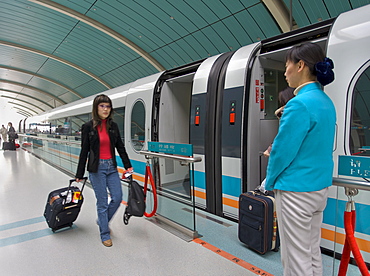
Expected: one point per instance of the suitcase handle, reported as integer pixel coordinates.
(73, 180)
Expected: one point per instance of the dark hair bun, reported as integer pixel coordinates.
(324, 71)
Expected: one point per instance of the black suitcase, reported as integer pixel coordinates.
(8, 146)
(257, 222)
(63, 206)
(135, 202)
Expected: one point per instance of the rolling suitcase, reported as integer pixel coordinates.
(8, 146)
(63, 206)
(257, 226)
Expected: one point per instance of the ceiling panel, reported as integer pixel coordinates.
(173, 33)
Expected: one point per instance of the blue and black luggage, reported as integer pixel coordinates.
(63, 206)
(258, 222)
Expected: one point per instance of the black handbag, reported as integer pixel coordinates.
(135, 202)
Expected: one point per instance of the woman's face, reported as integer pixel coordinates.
(104, 110)
(291, 73)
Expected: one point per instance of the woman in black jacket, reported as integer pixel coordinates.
(100, 138)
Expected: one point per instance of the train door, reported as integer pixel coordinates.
(137, 121)
(242, 100)
(187, 110)
(206, 108)
(206, 132)
(170, 121)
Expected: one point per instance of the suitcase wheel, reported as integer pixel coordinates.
(63, 226)
(126, 217)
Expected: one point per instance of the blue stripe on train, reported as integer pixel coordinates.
(139, 166)
(336, 218)
(230, 185)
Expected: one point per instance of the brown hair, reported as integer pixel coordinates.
(95, 116)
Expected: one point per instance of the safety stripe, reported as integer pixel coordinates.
(232, 258)
(26, 236)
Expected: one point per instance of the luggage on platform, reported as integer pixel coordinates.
(257, 222)
(63, 206)
(135, 202)
(9, 146)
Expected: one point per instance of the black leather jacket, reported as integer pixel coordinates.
(90, 148)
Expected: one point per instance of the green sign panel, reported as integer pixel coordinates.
(355, 166)
(171, 148)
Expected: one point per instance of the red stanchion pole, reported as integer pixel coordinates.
(148, 174)
(350, 243)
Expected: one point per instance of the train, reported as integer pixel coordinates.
(224, 107)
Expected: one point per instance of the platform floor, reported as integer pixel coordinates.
(29, 247)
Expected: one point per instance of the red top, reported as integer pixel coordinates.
(104, 141)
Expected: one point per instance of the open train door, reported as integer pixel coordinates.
(206, 104)
(138, 121)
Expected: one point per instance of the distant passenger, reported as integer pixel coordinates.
(100, 138)
(59, 129)
(301, 162)
(3, 133)
(12, 135)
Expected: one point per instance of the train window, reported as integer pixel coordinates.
(138, 126)
(119, 118)
(360, 119)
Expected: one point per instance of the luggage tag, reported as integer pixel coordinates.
(76, 197)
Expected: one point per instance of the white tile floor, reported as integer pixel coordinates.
(28, 246)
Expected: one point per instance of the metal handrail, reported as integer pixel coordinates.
(50, 139)
(182, 159)
(353, 184)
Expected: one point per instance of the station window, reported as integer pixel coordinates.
(138, 125)
(360, 117)
(78, 121)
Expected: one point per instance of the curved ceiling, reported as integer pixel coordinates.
(55, 52)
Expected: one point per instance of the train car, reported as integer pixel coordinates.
(224, 106)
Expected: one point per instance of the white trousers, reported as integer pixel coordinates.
(299, 222)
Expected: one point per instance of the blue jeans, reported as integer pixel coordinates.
(106, 177)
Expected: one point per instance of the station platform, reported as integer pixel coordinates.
(29, 247)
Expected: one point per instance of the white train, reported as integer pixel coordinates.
(224, 106)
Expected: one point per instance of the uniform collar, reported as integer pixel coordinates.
(296, 91)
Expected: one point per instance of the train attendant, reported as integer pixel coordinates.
(301, 163)
(100, 138)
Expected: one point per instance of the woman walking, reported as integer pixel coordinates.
(100, 138)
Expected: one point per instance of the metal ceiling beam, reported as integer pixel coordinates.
(281, 14)
(23, 112)
(35, 89)
(66, 62)
(25, 95)
(24, 107)
(41, 77)
(101, 27)
(23, 101)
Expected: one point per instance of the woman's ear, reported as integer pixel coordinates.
(300, 65)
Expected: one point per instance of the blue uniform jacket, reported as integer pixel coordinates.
(301, 159)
